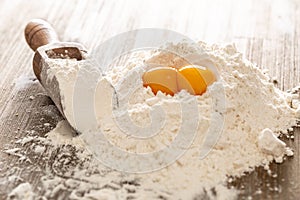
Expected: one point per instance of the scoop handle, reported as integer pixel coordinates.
(38, 33)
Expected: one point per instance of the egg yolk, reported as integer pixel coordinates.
(161, 79)
(193, 79)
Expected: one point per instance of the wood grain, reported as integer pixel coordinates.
(38, 33)
(266, 31)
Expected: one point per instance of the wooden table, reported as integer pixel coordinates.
(266, 31)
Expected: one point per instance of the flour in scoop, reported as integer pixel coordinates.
(254, 115)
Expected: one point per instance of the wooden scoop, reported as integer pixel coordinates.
(42, 39)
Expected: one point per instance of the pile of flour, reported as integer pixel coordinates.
(255, 114)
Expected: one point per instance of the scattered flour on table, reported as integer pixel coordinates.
(21, 192)
(24, 81)
(256, 112)
(62, 134)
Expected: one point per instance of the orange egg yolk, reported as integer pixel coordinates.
(193, 79)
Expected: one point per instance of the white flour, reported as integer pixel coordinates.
(24, 81)
(22, 191)
(255, 114)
